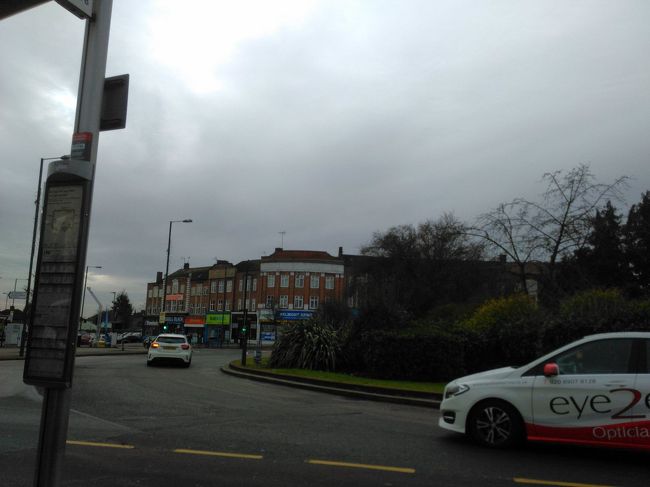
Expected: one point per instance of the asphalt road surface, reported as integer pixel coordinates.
(132, 425)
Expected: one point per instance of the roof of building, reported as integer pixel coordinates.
(299, 255)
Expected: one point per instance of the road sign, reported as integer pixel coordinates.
(114, 103)
(17, 295)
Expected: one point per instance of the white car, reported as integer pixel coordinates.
(595, 391)
(170, 346)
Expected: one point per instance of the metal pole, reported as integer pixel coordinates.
(169, 243)
(56, 402)
(245, 337)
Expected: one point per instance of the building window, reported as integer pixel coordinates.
(160, 292)
(255, 284)
(241, 285)
(313, 302)
(269, 302)
(253, 303)
(314, 281)
(213, 287)
(175, 286)
(270, 280)
(227, 305)
(220, 285)
(298, 302)
(169, 289)
(284, 280)
(220, 304)
(205, 290)
(284, 301)
(329, 282)
(239, 304)
(229, 286)
(211, 305)
(299, 281)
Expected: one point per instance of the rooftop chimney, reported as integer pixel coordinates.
(186, 265)
(159, 276)
(340, 251)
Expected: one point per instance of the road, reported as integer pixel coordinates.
(166, 426)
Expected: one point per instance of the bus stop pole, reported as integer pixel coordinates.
(56, 401)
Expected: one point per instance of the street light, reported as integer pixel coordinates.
(83, 299)
(37, 203)
(169, 243)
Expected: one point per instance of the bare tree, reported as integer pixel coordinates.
(559, 224)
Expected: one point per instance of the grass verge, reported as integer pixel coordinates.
(334, 377)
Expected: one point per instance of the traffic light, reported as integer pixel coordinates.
(243, 330)
(165, 327)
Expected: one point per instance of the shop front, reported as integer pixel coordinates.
(195, 330)
(244, 325)
(217, 329)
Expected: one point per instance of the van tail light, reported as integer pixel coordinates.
(185, 346)
(155, 345)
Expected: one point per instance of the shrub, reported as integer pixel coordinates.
(596, 311)
(306, 345)
(503, 331)
(390, 354)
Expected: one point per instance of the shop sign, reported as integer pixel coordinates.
(174, 320)
(295, 315)
(217, 319)
(194, 320)
(174, 297)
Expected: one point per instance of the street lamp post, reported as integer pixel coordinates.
(37, 204)
(169, 243)
(83, 299)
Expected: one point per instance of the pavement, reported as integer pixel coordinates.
(379, 394)
(12, 352)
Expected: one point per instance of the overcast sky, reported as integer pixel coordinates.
(328, 120)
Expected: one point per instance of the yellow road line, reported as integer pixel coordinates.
(218, 454)
(555, 483)
(361, 465)
(99, 445)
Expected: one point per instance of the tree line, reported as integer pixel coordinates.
(433, 304)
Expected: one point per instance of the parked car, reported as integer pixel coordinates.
(85, 339)
(170, 347)
(595, 391)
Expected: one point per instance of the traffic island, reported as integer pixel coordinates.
(380, 394)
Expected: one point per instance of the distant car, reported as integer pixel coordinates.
(170, 347)
(595, 391)
(85, 339)
(130, 337)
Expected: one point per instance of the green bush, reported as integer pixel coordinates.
(306, 345)
(504, 331)
(389, 354)
(596, 311)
